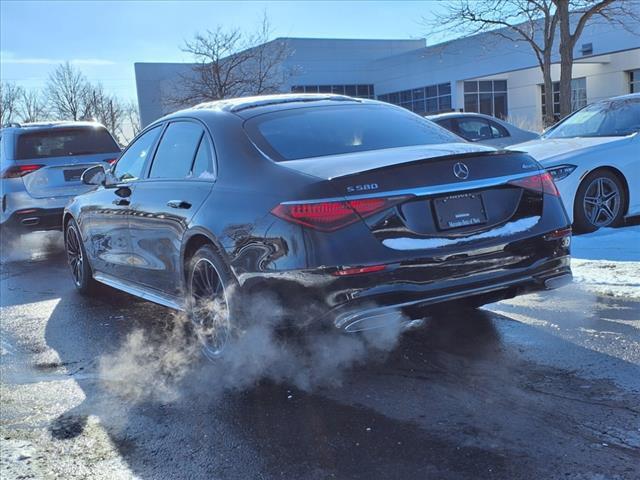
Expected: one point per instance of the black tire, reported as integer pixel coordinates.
(78, 261)
(601, 201)
(212, 301)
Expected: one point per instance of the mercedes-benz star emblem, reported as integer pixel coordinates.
(461, 171)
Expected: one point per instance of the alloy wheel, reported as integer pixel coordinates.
(210, 308)
(601, 202)
(74, 256)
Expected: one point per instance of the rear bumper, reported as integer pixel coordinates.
(24, 213)
(407, 288)
(352, 319)
(34, 219)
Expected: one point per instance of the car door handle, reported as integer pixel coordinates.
(122, 201)
(179, 204)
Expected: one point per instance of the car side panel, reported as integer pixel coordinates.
(157, 224)
(104, 229)
(632, 174)
(623, 156)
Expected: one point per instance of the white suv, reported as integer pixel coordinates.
(40, 169)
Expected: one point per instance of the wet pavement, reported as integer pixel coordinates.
(540, 387)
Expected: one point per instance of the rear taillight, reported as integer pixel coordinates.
(111, 161)
(542, 182)
(558, 234)
(330, 216)
(17, 171)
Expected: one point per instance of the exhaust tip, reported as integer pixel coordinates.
(30, 221)
(559, 281)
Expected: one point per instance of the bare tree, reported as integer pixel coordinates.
(104, 108)
(536, 22)
(32, 106)
(67, 91)
(265, 72)
(229, 63)
(580, 12)
(132, 121)
(9, 100)
(533, 22)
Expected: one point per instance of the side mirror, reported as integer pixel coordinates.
(94, 175)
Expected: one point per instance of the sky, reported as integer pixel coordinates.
(105, 38)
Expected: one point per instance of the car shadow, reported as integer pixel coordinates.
(40, 253)
(453, 400)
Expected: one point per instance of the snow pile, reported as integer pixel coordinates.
(507, 229)
(607, 262)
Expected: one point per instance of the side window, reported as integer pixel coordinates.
(474, 129)
(203, 165)
(176, 151)
(446, 123)
(131, 163)
(497, 130)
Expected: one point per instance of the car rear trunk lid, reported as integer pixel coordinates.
(449, 192)
(60, 176)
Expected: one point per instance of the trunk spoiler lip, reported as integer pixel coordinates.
(429, 190)
(452, 156)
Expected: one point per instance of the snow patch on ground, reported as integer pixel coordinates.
(615, 279)
(507, 229)
(607, 262)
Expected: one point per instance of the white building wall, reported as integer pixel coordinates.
(606, 76)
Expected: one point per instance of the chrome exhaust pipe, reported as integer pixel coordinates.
(30, 221)
(559, 281)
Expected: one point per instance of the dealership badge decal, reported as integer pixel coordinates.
(461, 171)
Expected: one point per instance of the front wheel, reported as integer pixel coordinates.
(77, 259)
(600, 202)
(211, 288)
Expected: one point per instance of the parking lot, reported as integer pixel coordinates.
(543, 386)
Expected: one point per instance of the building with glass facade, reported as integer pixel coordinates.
(484, 73)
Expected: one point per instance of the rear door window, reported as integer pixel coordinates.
(176, 151)
(203, 165)
(65, 142)
(498, 130)
(446, 123)
(474, 129)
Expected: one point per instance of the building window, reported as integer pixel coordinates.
(360, 91)
(578, 96)
(634, 81)
(423, 100)
(486, 96)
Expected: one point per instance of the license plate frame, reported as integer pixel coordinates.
(462, 210)
(73, 175)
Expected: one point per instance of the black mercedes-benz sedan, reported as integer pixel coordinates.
(351, 211)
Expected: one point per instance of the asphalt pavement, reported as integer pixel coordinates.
(544, 386)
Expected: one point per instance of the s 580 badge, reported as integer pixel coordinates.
(362, 188)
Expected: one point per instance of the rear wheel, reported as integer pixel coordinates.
(77, 259)
(210, 284)
(600, 202)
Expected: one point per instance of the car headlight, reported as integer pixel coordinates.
(561, 171)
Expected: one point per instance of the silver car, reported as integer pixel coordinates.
(484, 129)
(40, 169)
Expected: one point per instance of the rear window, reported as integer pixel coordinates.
(64, 142)
(320, 131)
